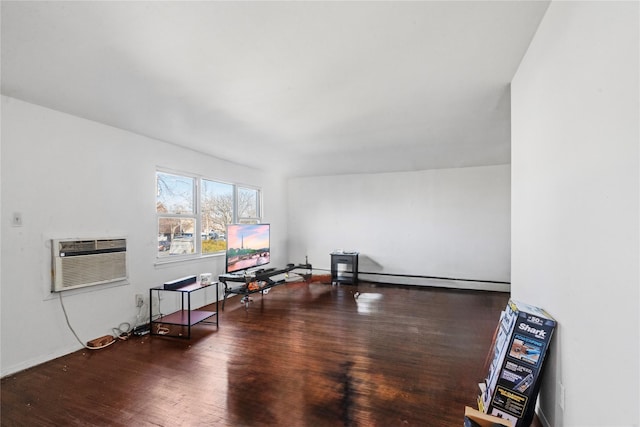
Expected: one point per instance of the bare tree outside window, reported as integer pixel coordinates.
(175, 206)
(174, 194)
(217, 213)
(248, 205)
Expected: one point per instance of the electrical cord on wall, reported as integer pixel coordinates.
(160, 329)
(122, 333)
(139, 316)
(64, 310)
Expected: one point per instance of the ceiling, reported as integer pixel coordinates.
(302, 88)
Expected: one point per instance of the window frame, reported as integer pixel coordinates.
(247, 220)
(197, 214)
(202, 213)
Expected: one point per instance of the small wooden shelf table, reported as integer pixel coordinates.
(186, 316)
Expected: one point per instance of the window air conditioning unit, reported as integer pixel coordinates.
(81, 263)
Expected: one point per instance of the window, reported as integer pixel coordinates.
(217, 212)
(193, 213)
(248, 205)
(176, 212)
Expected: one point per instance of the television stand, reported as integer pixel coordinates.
(261, 281)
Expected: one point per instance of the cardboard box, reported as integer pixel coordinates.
(515, 363)
(484, 420)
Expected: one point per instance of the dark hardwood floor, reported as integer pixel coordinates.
(302, 355)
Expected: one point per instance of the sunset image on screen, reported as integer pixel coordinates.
(247, 246)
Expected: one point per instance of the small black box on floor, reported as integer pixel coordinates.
(178, 283)
(142, 330)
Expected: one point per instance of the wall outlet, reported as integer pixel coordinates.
(16, 219)
(139, 300)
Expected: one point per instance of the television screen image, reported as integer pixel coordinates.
(247, 246)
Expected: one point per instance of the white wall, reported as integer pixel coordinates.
(447, 223)
(575, 214)
(71, 177)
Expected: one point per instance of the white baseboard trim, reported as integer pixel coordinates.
(542, 417)
(442, 283)
(10, 370)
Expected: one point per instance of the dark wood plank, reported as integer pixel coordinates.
(302, 355)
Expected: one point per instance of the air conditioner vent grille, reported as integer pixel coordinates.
(80, 263)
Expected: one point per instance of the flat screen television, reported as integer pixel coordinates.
(247, 246)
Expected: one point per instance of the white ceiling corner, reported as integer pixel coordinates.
(305, 88)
